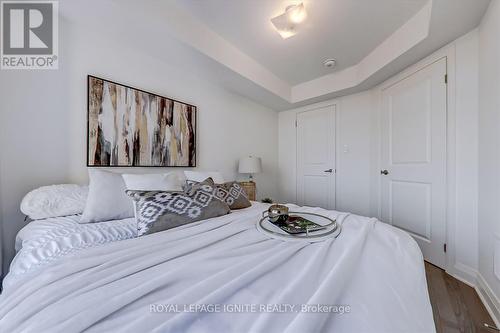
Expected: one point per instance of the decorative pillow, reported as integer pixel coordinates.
(107, 199)
(236, 197)
(159, 210)
(199, 176)
(54, 201)
(231, 192)
(153, 182)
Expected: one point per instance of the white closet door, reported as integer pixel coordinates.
(316, 158)
(413, 175)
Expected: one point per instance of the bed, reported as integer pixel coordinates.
(216, 275)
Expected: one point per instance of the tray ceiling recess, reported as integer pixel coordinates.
(240, 44)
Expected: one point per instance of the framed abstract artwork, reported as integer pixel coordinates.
(129, 127)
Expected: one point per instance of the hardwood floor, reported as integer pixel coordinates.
(456, 306)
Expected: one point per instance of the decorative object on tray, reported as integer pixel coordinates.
(277, 213)
(291, 224)
(131, 127)
(298, 225)
(279, 222)
(267, 200)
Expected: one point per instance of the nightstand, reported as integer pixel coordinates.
(249, 188)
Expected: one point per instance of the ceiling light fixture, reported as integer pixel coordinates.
(286, 23)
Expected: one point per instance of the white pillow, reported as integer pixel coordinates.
(107, 199)
(199, 176)
(54, 201)
(153, 182)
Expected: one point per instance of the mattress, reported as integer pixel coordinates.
(216, 275)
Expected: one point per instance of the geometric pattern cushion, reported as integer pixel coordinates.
(160, 210)
(236, 196)
(231, 192)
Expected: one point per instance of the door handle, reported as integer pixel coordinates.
(329, 170)
(384, 172)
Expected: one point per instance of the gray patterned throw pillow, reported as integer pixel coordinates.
(158, 210)
(236, 196)
(231, 192)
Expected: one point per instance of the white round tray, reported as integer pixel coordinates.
(332, 229)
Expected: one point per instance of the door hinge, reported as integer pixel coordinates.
(446, 78)
(444, 247)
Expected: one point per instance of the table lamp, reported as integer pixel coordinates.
(250, 165)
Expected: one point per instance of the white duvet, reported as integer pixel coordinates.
(222, 275)
(44, 241)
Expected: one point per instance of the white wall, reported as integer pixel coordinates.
(355, 129)
(358, 176)
(287, 158)
(43, 119)
(466, 153)
(353, 132)
(489, 153)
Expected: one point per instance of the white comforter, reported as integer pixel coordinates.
(223, 275)
(41, 242)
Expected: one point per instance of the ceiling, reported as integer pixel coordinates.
(232, 42)
(346, 30)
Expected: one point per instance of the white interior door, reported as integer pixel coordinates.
(316, 157)
(413, 175)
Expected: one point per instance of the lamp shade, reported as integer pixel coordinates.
(250, 164)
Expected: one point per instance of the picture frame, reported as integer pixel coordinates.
(130, 127)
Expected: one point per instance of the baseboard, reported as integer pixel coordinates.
(472, 278)
(465, 274)
(489, 299)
